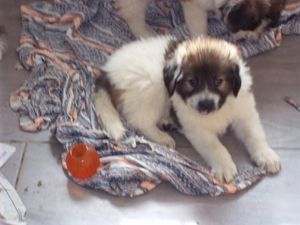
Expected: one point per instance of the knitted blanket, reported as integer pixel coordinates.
(63, 45)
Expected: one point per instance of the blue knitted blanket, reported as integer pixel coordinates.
(63, 45)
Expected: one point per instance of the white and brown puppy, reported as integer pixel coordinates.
(250, 18)
(195, 14)
(205, 85)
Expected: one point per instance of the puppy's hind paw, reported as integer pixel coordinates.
(268, 160)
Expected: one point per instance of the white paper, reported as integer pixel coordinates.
(6, 152)
(12, 210)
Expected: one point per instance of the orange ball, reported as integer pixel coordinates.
(82, 161)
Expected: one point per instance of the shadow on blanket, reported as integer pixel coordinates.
(64, 44)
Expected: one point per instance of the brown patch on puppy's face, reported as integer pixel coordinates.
(207, 75)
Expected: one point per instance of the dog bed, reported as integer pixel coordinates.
(63, 44)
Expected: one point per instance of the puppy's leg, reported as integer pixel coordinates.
(158, 136)
(249, 130)
(213, 152)
(145, 119)
(147, 124)
(108, 115)
(133, 11)
(195, 17)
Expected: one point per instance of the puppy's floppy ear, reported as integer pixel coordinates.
(172, 75)
(172, 70)
(236, 81)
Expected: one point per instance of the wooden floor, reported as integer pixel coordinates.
(275, 200)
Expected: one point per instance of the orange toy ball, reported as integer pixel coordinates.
(82, 161)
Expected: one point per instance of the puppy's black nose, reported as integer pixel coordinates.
(206, 106)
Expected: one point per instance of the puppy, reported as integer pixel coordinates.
(250, 18)
(2, 42)
(202, 83)
(246, 19)
(195, 13)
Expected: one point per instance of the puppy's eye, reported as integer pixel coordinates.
(193, 82)
(218, 81)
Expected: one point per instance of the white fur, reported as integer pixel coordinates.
(195, 13)
(137, 70)
(203, 130)
(104, 105)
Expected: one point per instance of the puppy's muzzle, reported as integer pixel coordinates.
(206, 106)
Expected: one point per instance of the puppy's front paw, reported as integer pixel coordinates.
(225, 170)
(117, 132)
(268, 160)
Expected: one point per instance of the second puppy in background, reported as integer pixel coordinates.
(248, 19)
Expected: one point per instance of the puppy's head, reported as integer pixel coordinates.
(203, 72)
(251, 15)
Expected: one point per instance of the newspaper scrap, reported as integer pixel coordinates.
(12, 209)
(6, 152)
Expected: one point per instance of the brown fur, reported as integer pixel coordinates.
(249, 14)
(205, 66)
(170, 49)
(275, 10)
